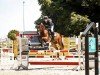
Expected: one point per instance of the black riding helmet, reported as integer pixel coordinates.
(45, 17)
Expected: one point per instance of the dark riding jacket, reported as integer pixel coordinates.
(48, 24)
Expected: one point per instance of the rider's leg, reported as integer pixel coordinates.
(52, 31)
(52, 28)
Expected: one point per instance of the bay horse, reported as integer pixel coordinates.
(44, 33)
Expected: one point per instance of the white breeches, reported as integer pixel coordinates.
(52, 28)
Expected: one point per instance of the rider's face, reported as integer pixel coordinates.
(46, 20)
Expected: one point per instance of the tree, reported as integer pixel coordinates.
(91, 8)
(56, 11)
(61, 13)
(86, 7)
(12, 35)
(78, 23)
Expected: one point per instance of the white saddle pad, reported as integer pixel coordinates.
(55, 34)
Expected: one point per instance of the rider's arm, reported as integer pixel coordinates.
(51, 23)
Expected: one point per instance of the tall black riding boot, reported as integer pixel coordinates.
(52, 34)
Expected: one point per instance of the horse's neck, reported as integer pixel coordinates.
(42, 33)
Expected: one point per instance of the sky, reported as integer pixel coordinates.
(11, 15)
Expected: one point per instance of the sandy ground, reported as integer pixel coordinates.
(47, 70)
(44, 72)
(56, 70)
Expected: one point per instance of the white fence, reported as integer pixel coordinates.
(7, 59)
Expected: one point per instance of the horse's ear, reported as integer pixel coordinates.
(36, 26)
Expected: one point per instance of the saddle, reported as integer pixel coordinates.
(52, 34)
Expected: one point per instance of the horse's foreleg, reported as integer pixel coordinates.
(61, 44)
(55, 46)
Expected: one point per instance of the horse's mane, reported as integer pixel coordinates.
(43, 32)
(42, 26)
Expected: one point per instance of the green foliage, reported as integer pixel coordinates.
(78, 23)
(70, 16)
(57, 13)
(45, 2)
(12, 34)
(39, 20)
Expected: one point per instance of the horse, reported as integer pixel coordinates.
(44, 33)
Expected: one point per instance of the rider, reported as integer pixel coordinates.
(49, 25)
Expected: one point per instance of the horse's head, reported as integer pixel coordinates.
(41, 27)
(43, 32)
